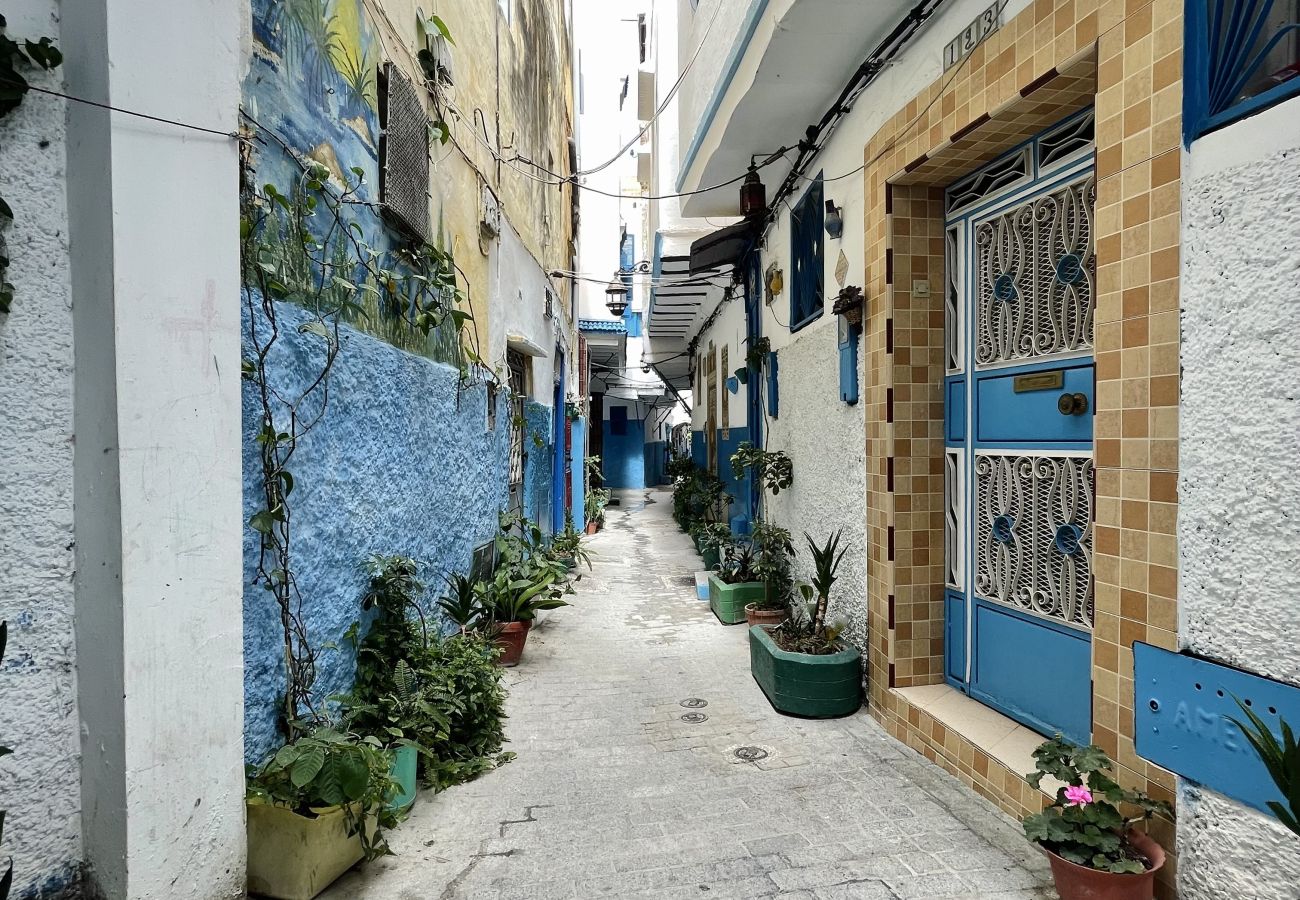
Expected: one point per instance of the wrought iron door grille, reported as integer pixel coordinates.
(403, 153)
(515, 363)
(1035, 274)
(1033, 549)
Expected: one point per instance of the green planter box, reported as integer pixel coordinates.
(804, 684)
(728, 600)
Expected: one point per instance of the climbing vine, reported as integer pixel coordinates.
(301, 247)
(13, 88)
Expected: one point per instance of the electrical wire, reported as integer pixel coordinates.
(126, 112)
(668, 98)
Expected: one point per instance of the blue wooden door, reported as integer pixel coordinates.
(1019, 404)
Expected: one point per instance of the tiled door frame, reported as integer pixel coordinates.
(1123, 57)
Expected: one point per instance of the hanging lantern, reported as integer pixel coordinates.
(616, 297)
(753, 196)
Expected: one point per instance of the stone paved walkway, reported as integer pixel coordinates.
(613, 795)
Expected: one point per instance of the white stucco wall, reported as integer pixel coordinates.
(1239, 441)
(825, 440)
(40, 785)
(518, 308)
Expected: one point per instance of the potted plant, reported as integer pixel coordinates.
(848, 303)
(775, 556)
(1092, 847)
(801, 665)
(735, 583)
(1281, 758)
(710, 539)
(315, 809)
(527, 581)
(772, 468)
(594, 508)
(756, 356)
(566, 547)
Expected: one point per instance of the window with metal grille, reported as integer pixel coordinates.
(518, 386)
(1003, 174)
(807, 221)
(1241, 57)
(403, 153)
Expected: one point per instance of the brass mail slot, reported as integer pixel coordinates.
(1039, 381)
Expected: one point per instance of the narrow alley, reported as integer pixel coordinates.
(626, 786)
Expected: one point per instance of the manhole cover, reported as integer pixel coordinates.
(694, 703)
(750, 754)
(695, 718)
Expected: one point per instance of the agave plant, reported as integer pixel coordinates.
(826, 563)
(1281, 758)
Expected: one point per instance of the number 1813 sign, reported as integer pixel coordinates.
(961, 46)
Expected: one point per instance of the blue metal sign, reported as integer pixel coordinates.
(1182, 704)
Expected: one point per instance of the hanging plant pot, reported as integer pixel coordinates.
(1076, 882)
(295, 857)
(742, 375)
(849, 304)
(511, 640)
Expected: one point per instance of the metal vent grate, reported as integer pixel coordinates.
(403, 153)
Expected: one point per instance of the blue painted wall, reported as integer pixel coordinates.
(728, 442)
(699, 450)
(402, 462)
(623, 459)
(539, 457)
(654, 462)
(577, 462)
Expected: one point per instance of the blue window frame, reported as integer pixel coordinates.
(808, 269)
(1242, 56)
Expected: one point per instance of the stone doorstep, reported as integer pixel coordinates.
(1004, 740)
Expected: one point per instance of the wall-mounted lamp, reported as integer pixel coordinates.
(753, 196)
(616, 296)
(834, 219)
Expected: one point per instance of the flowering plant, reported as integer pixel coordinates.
(1084, 824)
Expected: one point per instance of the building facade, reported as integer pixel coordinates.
(1047, 207)
(132, 586)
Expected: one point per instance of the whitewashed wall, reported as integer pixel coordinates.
(1238, 530)
(40, 785)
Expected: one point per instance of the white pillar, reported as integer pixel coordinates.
(154, 214)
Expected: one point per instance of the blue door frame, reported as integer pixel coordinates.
(560, 455)
(754, 389)
(1018, 463)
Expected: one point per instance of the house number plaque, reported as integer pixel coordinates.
(1039, 381)
(961, 46)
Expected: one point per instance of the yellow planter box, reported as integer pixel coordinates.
(292, 857)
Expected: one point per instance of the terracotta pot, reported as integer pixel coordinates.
(511, 640)
(592, 527)
(763, 616)
(1076, 882)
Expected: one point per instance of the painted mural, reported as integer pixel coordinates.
(311, 93)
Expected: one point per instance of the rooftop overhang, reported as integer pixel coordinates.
(679, 304)
(788, 63)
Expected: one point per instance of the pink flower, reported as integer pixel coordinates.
(1077, 795)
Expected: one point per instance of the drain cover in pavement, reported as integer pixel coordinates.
(695, 718)
(694, 703)
(750, 754)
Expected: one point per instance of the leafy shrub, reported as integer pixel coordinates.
(442, 695)
(1281, 758)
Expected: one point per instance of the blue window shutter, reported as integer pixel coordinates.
(807, 259)
(773, 394)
